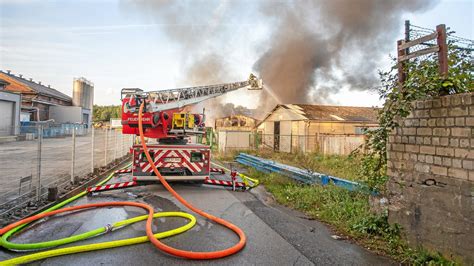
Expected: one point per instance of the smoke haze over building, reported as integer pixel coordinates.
(313, 49)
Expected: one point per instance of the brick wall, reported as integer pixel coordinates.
(431, 170)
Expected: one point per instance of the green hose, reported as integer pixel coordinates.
(63, 203)
(109, 244)
(84, 248)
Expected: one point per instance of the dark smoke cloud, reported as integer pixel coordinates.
(314, 49)
(320, 46)
(317, 47)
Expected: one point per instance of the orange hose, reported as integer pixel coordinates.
(178, 252)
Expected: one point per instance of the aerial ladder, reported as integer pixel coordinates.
(166, 120)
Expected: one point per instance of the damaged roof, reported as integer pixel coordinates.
(39, 88)
(333, 113)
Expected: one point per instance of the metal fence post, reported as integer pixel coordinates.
(73, 156)
(211, 136)
(92, 152)
(106, 145)
(40, 142)
(291, 142)
(115, 145)
(121, 145)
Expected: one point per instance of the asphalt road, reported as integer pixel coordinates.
(276, 235)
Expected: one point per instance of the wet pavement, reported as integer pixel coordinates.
(276, 235)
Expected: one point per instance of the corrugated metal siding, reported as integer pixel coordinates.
(285, 136)
(233, 140)
(339, 145)
(336, 128)
(6, 118)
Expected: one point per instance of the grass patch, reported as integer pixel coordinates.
(335, 165)
(347, 212)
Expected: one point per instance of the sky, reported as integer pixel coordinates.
(115, 45)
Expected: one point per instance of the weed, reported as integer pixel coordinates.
(348, 212)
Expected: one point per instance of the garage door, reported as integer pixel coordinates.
(6, 118)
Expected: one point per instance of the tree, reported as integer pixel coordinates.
(105, 113)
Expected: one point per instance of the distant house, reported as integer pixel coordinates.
(307, 128)
(41, 102)
(236, 123)
(235, 132)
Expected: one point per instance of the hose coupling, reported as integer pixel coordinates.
(108, 228)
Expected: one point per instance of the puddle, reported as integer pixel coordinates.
(160, 203)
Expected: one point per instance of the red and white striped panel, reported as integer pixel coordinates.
(183, 155)
(123, 171)
(112, 186)
(217, 170)
(223, 183)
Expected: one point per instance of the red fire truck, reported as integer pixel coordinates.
(166, 122)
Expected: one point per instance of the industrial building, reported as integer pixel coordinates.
(311, 128)
(82, 104)
(24, 99)
(9, 111)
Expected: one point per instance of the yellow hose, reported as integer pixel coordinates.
(97, 246)
(109, 244)
(253, 182)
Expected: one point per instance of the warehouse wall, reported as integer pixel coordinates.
(338, 128)
(12, 126)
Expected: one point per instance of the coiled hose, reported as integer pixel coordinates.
(97, 246)
(6, 232)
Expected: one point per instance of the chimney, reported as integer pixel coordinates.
(20, 75)
(39, 82)
(31, 79)
(8, 71)
(49, 86)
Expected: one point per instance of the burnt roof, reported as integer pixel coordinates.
(39, 88)
(339, 113)
(332, 112)
(4, 82)
(237, 115)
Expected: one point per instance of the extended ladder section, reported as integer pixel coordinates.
(180, 97)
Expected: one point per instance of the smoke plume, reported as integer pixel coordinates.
(318, 47)
(313, 50)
